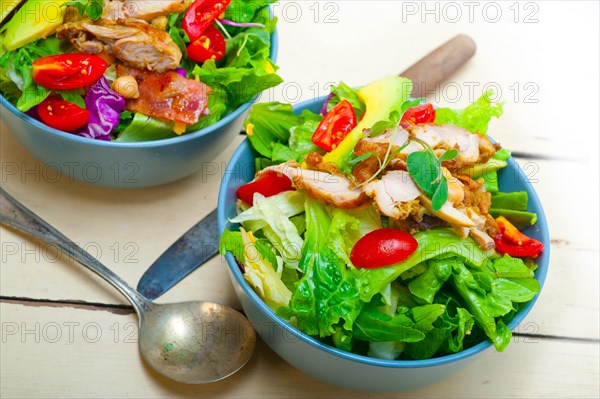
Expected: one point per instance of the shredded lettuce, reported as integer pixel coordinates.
(271, 216)
(262, 276)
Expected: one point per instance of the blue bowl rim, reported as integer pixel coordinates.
(541, 273)
(154, 143)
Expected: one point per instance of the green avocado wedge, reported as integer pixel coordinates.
(36, 19)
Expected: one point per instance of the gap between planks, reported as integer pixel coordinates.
(127, 309)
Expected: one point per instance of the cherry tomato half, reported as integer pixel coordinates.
(335, 126)
(382, 247)
(210, 46)
(424, 113)
(269, 184)
(62, 115)
(68, 71)
(511, 241)
(201, 15)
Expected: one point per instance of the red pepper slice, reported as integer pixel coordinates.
(335, 126)
(424, 113)
(201, 15)
(511, 241)
(62, 115)
(68, 71)
(382, 247)
(210, 46)
(268, 184)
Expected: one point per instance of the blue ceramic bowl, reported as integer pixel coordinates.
(336, 366)
(126, 165)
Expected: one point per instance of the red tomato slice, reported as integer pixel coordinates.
(201, 15)
(421, 114)
(210, 46)
(68, 71)
(269, 184)
(335, 126)
(382, 247)
(511, 241)
(62, 115)
(531, 248)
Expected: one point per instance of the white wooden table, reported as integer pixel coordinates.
(66, 334)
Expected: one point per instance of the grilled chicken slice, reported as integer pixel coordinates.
(167, 96)
(393, 194)
(135, 42)
(473, 148)
(334, 190)
(448, 213)
(378, 146)
(145, 10)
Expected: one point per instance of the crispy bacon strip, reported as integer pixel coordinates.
(167, 96)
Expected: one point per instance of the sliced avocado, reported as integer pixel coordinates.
(36, 19)
(6, 7)
(381, 98)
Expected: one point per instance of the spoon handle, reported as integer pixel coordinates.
(16, 215)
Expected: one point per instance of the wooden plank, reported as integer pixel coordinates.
(125, 229)
(40, 359)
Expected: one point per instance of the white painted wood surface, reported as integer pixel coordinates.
(553, 61)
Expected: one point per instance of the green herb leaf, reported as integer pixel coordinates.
(355, 161)
(381, 126)
(412, 102)
(73, 96)
(424, 169)
(91, 8)
(440, 196)
(449, 155)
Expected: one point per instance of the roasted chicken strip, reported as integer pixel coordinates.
(393, 194)
(334, 190)
(135, 42)
(145, 10)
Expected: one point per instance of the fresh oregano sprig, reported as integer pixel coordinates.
(426, 170)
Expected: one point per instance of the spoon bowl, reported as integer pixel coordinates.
(195, 342)
(190, 342)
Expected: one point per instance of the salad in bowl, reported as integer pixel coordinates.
(377, 226)
(134, 70)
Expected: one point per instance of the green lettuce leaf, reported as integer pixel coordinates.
(327, 296)
(245, 10)
(475, 118)
(146, 128)
(16, 66)
(432, 243)
(301, 135)
(426, 285)
(373, 325)
(269, 123)
(344, 92)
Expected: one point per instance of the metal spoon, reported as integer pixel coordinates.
(190, 342)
